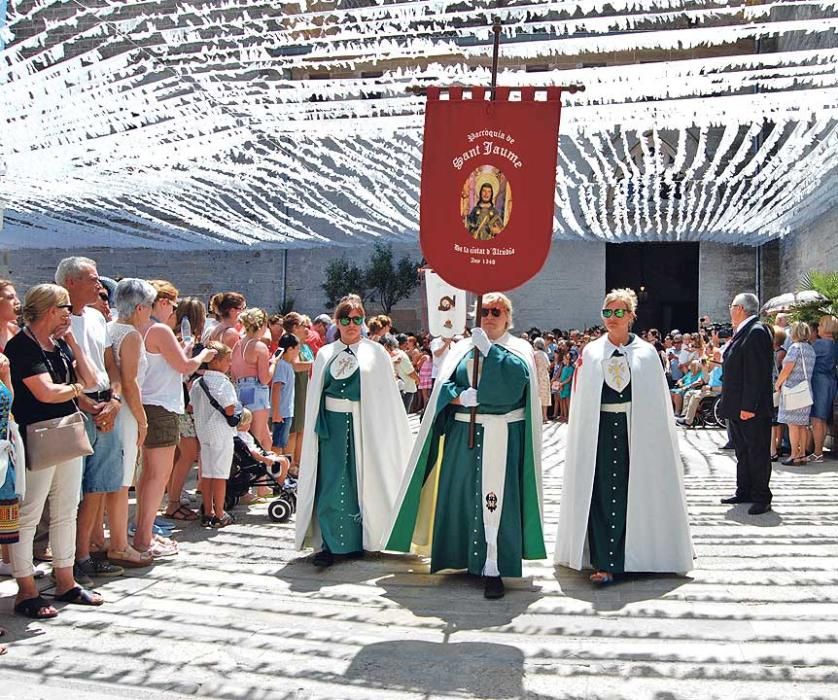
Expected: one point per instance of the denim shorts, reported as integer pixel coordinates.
(281, 431)
(103, 469)
(253, 395)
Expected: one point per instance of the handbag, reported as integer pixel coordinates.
(233, 420)
(56, 440)
(799, 395)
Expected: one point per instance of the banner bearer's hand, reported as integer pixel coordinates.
(481, 341)
(469, 398)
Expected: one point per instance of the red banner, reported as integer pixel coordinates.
(488, 186)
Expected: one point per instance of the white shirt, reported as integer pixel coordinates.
(91, 332)
(436, 344)
(404, 368)
(742, 325)
(210, 425)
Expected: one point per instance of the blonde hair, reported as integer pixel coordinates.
(800, 332)
(501, 299)
(247, 418)
(40, 299)
(221, 350)
(164, 289)
(779, 335)
(253, 319)
(624, 295)
(828, 324)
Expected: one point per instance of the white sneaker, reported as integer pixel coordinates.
(5, 569)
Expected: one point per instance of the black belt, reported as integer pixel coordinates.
(100, 396)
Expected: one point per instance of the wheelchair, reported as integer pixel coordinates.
(707, 415)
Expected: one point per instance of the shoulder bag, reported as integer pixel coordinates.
(799, 395)
(56, 440)
(233, 420)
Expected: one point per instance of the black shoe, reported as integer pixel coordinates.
(354, 555)
(729, 446)
(493, 587)
(735, 499)
(759, 508)
(683, 422)
(324, 558)
(774, 458)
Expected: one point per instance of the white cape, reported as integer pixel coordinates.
(382, 444)
(657, 527)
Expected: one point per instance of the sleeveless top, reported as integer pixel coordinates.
(119, 332)
(162, 385)
(241, 368)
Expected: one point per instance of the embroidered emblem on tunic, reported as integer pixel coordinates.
(343, 366)
(616, 372)
(491, 501)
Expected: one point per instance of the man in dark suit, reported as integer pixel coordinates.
(747, 402)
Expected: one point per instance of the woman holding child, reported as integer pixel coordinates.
(354, 457)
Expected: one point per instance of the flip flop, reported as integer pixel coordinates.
(602, 578)
(32, 607)
(80, 596)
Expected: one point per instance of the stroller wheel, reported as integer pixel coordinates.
(279, 510)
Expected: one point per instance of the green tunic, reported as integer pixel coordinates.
(609, 500)
(336, 504)
(459, 541)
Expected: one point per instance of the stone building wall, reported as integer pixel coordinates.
(724, 271)
(813, 247)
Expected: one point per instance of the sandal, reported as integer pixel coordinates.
(224, 521)
(182, 513)
(603, 578)
(158, 550)
(80, 596)
(34, 608)
(130, 558)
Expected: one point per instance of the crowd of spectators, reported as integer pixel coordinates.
(164, 382)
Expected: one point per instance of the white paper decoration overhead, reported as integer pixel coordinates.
(198, 123)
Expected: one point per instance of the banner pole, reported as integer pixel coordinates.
(496, 28)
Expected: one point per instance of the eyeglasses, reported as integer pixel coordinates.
(104, 297)
(608, 313)
(495, 312)
(68, 307)
(357, 320)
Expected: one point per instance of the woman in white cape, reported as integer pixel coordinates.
(623, 507)
(355, 446)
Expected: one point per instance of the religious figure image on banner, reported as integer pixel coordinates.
(486, 203)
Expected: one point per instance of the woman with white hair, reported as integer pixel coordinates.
(623, 507)
(542, 371)
(477, 508)
(134, 299)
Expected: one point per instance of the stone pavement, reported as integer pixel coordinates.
(239, 614)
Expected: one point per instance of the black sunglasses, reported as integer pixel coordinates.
(69, 307)
(346, 320)
(104, 297)
(495, 312)
(619, 313)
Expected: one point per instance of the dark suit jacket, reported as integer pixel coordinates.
(746, 382)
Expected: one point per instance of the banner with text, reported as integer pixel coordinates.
(488, 185)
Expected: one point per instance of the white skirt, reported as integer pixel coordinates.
(216, 458)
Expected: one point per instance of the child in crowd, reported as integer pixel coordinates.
(565, 385)
(215, 434)
(282, 391)
(266, 458)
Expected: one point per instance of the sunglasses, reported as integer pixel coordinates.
(69, 307)
(608, 313)
(357, 320)
(103, 297)
(495, 312)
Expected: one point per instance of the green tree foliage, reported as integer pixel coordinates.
(381, 280)
(827, 284)
(342, 278)
(387, 283)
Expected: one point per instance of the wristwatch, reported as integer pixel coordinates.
(116, 397)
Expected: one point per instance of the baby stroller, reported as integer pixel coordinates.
(246, 472)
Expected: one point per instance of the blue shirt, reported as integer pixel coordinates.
(284, 375)
(715, 379)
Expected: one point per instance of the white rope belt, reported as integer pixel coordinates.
(493, 475)
(615, 407)
(336, 405)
